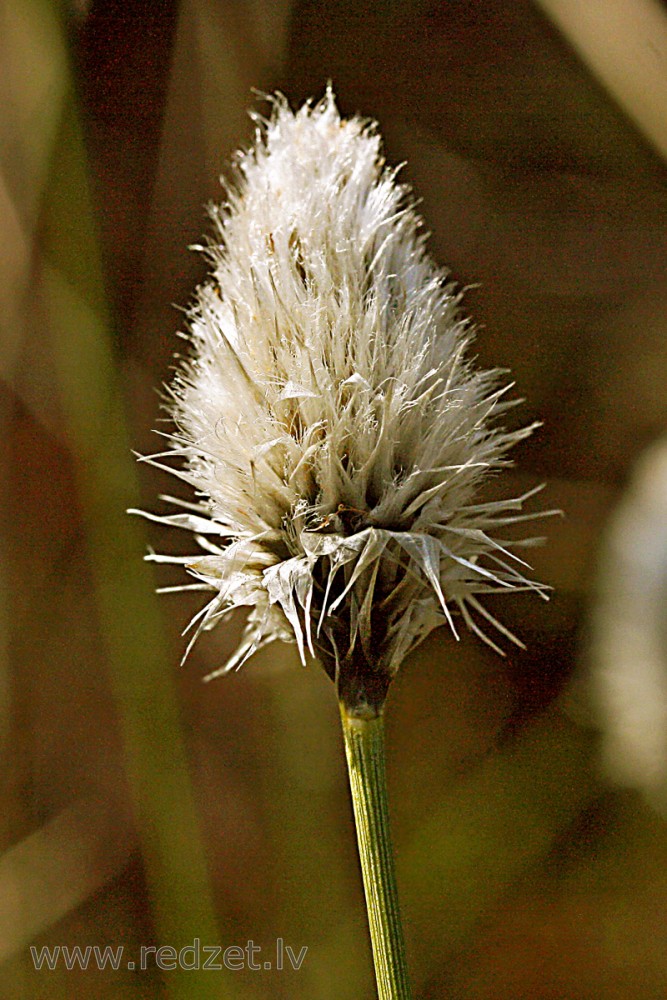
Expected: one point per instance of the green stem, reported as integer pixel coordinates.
(364, 747)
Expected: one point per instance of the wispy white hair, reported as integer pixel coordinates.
(327, 418)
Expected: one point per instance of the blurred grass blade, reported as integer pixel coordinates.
(33, 78)
(58, 867)
(78, 323)
(624, 43)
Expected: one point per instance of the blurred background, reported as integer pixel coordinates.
(141, 806)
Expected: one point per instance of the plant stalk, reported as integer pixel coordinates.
(364, 748)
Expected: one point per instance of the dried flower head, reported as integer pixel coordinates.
(328, 419)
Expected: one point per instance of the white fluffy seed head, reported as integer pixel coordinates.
(327, 418)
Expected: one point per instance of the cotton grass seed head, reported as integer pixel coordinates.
(328, 420)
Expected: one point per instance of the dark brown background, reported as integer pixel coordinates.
(522, 874)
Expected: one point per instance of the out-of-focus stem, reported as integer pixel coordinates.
(131, 628)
